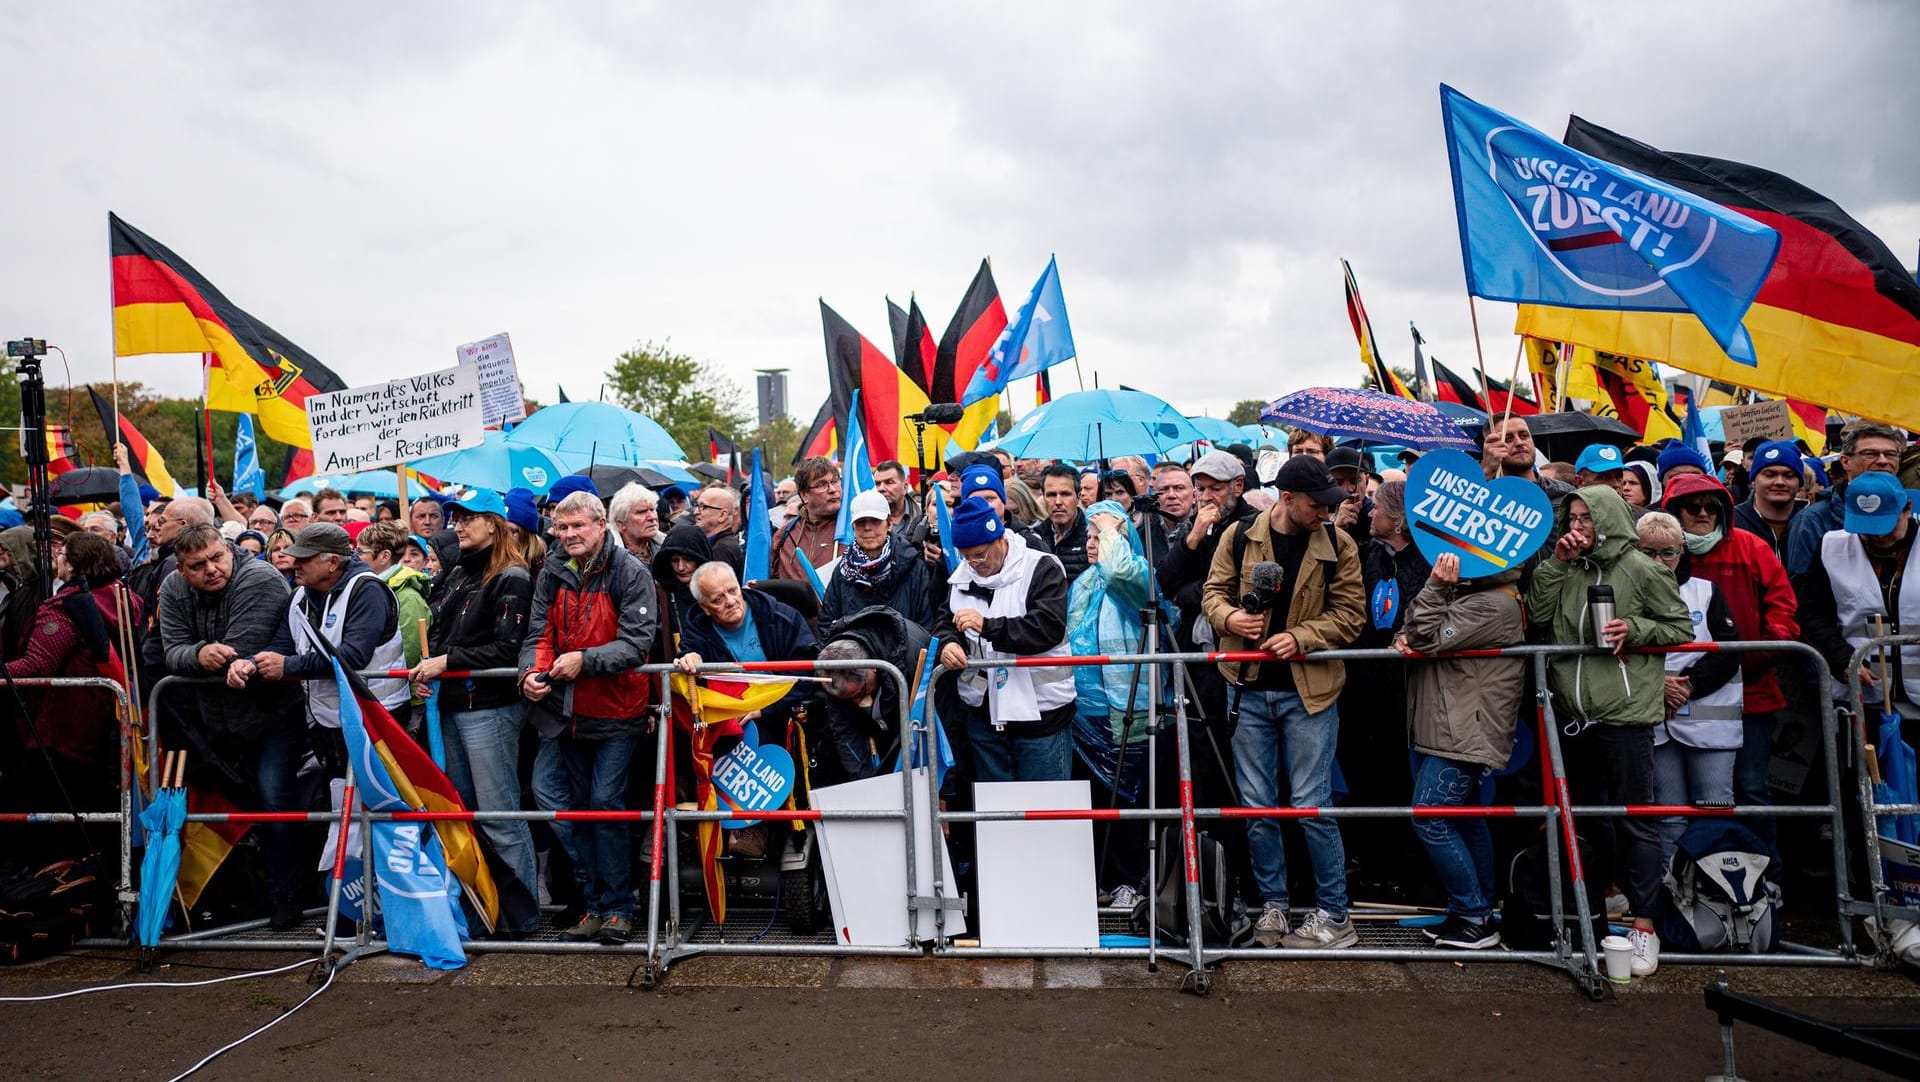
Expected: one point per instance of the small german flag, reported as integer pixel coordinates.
(1042, 389)
(1500, 394)
(144, 457)
(1383, 377)
(1450, 387)
(62, 455)
(162, 305)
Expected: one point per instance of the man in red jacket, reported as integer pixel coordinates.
(1762, 602)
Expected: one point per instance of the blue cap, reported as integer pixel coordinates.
(148, 494)
(523, 510)
(481, 502)
(1875, 502)
(1680, 454)
(975, 524)
(569, 485)
(1601, 458)
(1819, 469)
(421, 543)
(980, 478)
(1775, 453)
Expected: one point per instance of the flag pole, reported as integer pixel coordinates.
(113, 343)
(1513, 380)
(400, 472)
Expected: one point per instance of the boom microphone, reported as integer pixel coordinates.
(943, 413)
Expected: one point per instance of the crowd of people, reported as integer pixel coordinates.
(1276, 554)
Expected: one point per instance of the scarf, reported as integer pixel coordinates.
(867, 572)
(1700, 544)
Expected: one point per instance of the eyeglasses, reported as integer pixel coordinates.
(713, 507)
(1875, 456)
(1697, 507)
(1663, 554)
(832, 483)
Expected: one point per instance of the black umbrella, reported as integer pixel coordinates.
(1562, 436)
(610, 478)
(89, 484)
(708, 470)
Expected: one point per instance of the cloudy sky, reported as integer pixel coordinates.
(383, 181)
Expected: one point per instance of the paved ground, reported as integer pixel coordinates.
(553, 1018)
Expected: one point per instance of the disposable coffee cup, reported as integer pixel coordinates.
(1619, 954)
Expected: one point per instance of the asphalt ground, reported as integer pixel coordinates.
(564, 1017)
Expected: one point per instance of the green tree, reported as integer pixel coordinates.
(1245, 412)
(685, 396)
(171, 425)
(778, 440)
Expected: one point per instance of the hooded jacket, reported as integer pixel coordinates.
(1466, 709)
(1071, 549)
(409, 588)
(1825, 514)
(22, 590)
(1183, 571)
(861, 732)
(246, 614)
(1588, 689)
(684, 539)
(1753, 582)
(604, 609)
(479, 623)
(904, 589)
(74, 723)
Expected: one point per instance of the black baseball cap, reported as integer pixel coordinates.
(1345, 458)
(1309, 476)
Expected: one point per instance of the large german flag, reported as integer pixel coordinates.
(1836, 322)
(1383, 377)
(1501, 399)
(144, 457)
(1448, 386)
(162, 305)
(887, 393)
(914, 348)
(818, 441)
(976, 325)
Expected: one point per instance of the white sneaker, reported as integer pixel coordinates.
(1124, 898)
(1646, 952)
(1272, 926)
(1319, 931)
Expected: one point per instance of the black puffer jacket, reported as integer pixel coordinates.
(684, 539)
(862, 733)
(478, 623)
(904, 589)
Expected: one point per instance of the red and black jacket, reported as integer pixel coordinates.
(606, 610)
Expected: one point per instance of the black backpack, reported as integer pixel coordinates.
(1526, 916)
(43, 910)
(1223, 919)
(1722, 891)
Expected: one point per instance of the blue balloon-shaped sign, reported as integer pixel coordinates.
(1490, 525)
(752, 777)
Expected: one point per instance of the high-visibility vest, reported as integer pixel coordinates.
(1713, 720)
(323, 697)
(1858, 598)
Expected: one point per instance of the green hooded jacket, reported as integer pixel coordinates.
(410, 596)
(1591, 688)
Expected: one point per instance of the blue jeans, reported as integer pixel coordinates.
(273, 764)
(571, 774)
(1684, 775)
(483, 762)
(999, 755)
(1273, 725)
(1461, 849)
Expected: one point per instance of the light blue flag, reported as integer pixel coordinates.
(1038, 338)
(759, 566)
(1542, 223)
(813, 577)
(944, 519)
(247, 474)
(920, 716)
(1693, 430)
(993, 431)
(856, 474)
(419, 900)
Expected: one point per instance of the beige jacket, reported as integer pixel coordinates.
(1327, 612)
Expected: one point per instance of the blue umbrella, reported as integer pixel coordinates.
(1218, 432)
(1897, 783)
(1464, 416)
(1369, 416)
(1257, 436)
(160, 867)
(581, 434)
(498, 464)
(307, 486)
(1089, 425)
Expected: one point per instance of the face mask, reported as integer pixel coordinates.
(1702, 543)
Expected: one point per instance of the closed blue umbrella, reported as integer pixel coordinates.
(1898, 783)
(1369, 416)
(498, 464)
(1089, 425)
(160, 866)
(581, 434)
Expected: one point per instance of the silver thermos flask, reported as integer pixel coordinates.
(1600, 611)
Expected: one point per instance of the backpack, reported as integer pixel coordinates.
(1722, 891)
(1223, 919)
(44, 910)
(1526, 916)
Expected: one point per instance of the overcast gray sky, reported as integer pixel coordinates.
(382, 181)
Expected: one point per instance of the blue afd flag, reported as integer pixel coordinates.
(1541, 223)
(419, 900)
(856, 476)
(1038, 338)
(1693, 430)
(759, 565)
(920, 717)
(247, 474)
(944, 519)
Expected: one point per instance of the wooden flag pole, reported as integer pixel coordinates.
(400, 472)
(1513, 381)
(113, 341)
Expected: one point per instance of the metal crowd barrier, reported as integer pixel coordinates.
(669, 934)
(1880, 907)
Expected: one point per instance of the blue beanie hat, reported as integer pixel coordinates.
(522, 510)
(1680, 455)
(1776, 453)
(148, 494)
(980, 478)
(974, 524)
(570, 484)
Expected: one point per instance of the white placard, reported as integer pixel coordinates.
(866, 863)
(500, 397)
(1037, 883)
(385, 424)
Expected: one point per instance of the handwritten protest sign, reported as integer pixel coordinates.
(1770, 420)
(752, 777)
(1490, 525)
(385, 424)
(500, 398)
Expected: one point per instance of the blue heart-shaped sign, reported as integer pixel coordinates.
(752, 777)
(1491, 525)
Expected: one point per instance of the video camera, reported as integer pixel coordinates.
(1267, 579)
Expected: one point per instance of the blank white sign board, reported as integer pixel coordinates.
(1037, 885)
(866, 863)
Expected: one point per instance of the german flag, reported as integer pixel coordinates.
(62, 455)
(1809, 424)
(1042, 389)
(976, 325)
(162, 305)
(1449, 387)
(708, 708)
(1383, 377)
(818, 441)
(144, 457)
(921, 361)
(1500, 394)
(1837, 321)
(887, 394)
(721, 451)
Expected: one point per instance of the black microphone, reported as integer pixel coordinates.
(941, 413)
(1267, 576)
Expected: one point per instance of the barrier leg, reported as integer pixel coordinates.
(1870, 826)
(1199, 980)
(125, 892)
(1590, 978)
(662, 778)
(1830, 737)
(347, 799)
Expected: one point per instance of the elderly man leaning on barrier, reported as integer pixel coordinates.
(1598, 587)
(1008, 600)
(593, 621)
(218, 611)
(1288, 583)
(863, 705)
